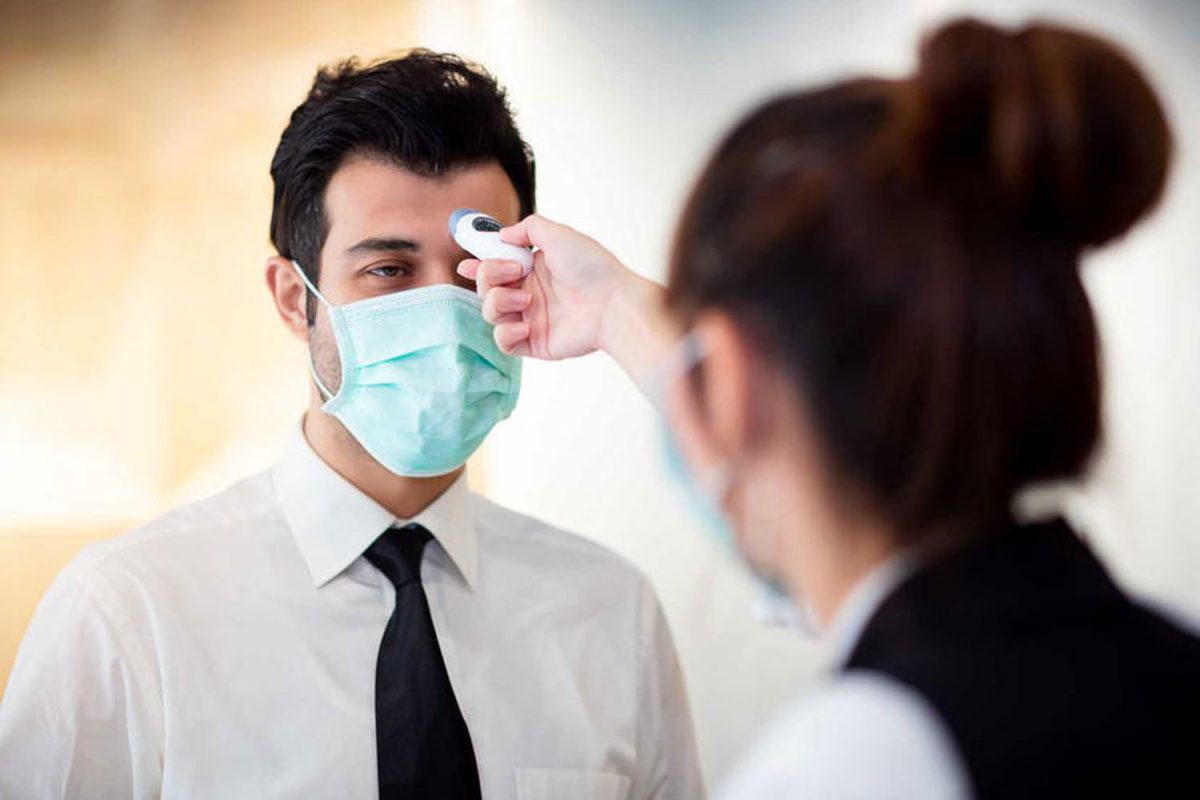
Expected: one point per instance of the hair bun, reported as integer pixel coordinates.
(1054, 129)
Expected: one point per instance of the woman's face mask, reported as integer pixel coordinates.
(423, 382)
(707, 486)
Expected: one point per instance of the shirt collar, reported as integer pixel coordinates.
(864, 600)
(334, 523)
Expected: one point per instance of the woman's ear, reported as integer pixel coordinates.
(288, 292)
(726, 403)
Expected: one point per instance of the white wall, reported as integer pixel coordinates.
(622, 101)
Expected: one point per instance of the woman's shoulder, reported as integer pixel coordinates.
(859, 734)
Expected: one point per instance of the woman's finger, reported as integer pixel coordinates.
(502, 300)
(468, 268)
(533, 231)
(494, 272)
(504, 319)
(510, 335)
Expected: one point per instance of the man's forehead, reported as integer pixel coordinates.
(365, 193)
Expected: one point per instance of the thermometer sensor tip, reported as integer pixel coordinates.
(457, 215)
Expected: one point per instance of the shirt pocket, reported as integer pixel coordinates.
(570, 784)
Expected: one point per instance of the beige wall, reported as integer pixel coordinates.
(141, 360)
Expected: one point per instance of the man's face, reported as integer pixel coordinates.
(388, 232)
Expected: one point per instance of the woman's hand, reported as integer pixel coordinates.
(579, 298)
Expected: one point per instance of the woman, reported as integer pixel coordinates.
(887, 345)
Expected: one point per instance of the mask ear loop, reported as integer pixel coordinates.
(685, 356)
(312, 370)
(689, 353)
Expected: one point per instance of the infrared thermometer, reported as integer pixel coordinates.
(479, 235)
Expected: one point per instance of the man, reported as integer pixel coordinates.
(355, 622)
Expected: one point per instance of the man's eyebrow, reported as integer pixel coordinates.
(382, 245)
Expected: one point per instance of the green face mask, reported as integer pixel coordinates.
(423, 382)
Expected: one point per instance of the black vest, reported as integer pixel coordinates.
(1051, 682)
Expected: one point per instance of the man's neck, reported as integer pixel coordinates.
(402, 496)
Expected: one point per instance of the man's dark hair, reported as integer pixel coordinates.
(429, 113)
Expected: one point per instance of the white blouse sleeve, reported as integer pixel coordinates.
(862, 735)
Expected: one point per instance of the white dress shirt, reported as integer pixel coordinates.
(857, 734)
(228, 650)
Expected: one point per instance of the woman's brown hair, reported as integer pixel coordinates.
(910, 250)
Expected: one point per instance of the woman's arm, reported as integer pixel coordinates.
(579, 298)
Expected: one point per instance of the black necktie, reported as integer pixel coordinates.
(424, 747)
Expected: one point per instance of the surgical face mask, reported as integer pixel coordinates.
(423, 382)
(706, 492)
(705, 489)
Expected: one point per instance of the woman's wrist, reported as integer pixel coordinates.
(636, 329)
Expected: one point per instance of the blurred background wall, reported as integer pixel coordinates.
(141, 364)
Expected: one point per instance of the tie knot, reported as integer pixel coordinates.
(397, 553)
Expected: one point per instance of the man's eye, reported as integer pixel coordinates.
(390, 272)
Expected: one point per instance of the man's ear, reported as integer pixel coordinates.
(289, 294)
